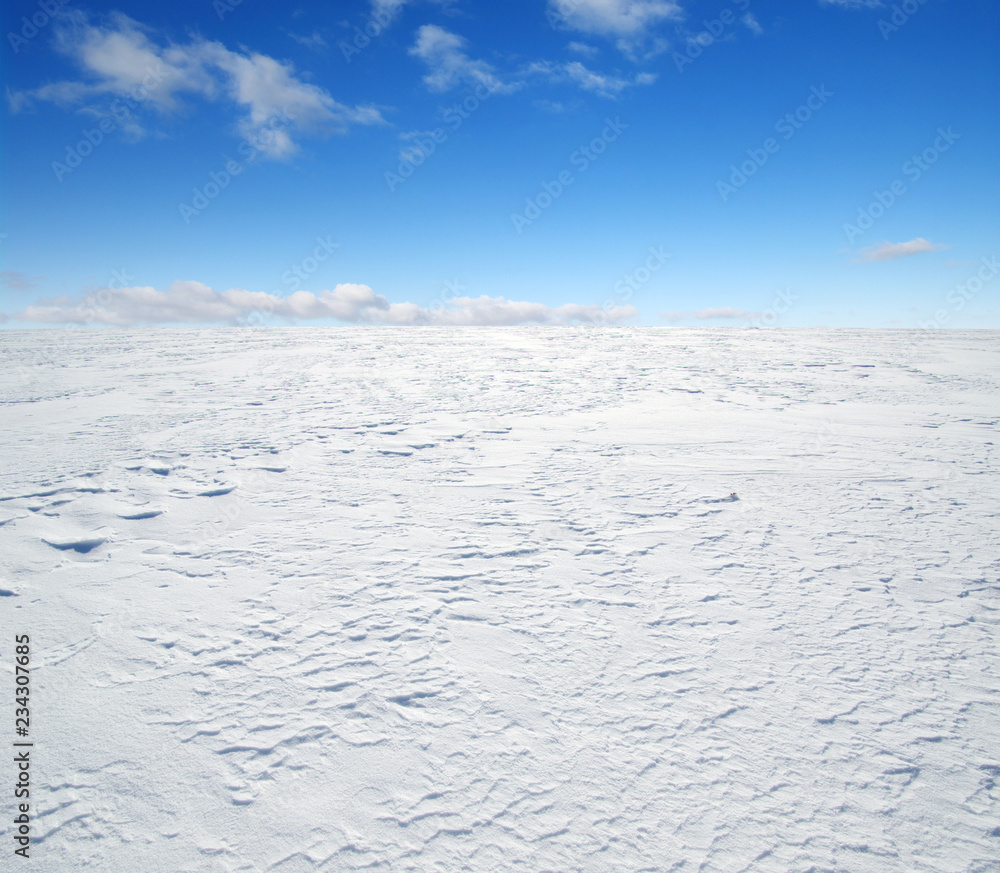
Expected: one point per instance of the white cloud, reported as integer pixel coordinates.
(119, 59)
(614, 18)
(630, 23)
(188, 302)
(449, 66)
(266, 88)
(726, 313)
(888, 251)
(582, 48)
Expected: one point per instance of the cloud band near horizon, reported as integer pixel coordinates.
(189, 302)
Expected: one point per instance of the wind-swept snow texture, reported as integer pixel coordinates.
(479, 600)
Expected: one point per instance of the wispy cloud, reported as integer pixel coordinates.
(852, 4)
(121, 58)
(557, 107)
(888, 251)
(15, 281)
(724, 313)
(387, 10)
(419, 144)
(601, 84)
(314, 40)
(753, 25)
(615, 18)
(448, 64)
(630, 23)
(582, 48)
(190, 302)
(389, 7)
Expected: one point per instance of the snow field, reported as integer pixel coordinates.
(338, 599)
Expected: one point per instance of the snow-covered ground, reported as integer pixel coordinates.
(479, 600)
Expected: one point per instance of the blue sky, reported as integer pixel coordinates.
(598, 161)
